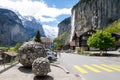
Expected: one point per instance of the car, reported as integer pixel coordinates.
(118, 50)
(51, 56)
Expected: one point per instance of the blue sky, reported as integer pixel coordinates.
(48, 12)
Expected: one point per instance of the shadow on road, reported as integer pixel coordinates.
(25, 69)
(43, 78)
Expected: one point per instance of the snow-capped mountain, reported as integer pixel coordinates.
(31, 25)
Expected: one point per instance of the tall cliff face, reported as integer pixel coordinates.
(64, 25)
(11, 29)
(95, 14)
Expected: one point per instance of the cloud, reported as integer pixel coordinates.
(51, 31)
(38, 9)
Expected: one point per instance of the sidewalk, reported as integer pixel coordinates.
(18, 72)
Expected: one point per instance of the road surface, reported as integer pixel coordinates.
(92, 68)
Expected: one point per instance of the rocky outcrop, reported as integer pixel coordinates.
(41, 66)
(95, 14)
(30, 51)
(11, 29)
(64, 26)
(32, 25)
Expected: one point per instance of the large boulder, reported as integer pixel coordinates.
(30, 51)
(41, 66)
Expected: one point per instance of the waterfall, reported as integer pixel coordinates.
(72, 25)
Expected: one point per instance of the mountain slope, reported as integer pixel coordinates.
(31, 25)
(11, 28)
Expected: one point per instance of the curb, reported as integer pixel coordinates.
(67, 72)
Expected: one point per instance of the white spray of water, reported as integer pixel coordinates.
(72, 25)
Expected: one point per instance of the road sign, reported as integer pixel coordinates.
(52, 45)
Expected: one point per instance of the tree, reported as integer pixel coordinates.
(61, 40)
(102, 40)
(37, 37)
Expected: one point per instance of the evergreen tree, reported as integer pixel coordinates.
(37, 37)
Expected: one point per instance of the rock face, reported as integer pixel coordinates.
(64, 25)
(30, 51)
(32, 25)
(11, 29)
(41, 66)
(95, 14)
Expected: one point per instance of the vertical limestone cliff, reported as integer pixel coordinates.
(95, 14)
(65, 26)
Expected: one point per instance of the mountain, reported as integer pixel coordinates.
(95, 14)
(11, 28)
(32, 25)
(65, 27)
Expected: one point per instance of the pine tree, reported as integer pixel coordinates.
(37, 37)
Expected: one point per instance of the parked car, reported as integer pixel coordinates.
(51, 55)
(118, 50)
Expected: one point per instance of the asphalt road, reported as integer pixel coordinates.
(92, 68)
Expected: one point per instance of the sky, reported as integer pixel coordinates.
(48, 12)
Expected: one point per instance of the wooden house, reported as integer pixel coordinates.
(10, 56)
(81, 38)
(117, 39)
(7, 57)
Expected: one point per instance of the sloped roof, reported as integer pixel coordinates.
(11, 53)
(79, 33)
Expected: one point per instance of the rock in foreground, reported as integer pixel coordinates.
(30, 51)
(41, 66)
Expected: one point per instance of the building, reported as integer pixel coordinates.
(7, 56)
(81, 38)
(117, 39)
(10, 56)
(46, 42)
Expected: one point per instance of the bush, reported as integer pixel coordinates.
(80, 50)
(83, 52)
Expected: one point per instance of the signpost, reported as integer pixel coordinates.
(52, 45)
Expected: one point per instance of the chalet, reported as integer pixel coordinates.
(81, 38)
(46, 42)
(7, 56)
(10, 56)
(117, 39)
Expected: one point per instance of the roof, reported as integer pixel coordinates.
(11, 53)
(80, 33)
(117, 34)
(72, 43)
(46, 40)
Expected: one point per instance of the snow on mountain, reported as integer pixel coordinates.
(50, 31)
